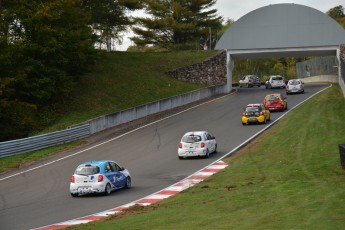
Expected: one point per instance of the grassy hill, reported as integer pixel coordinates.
(122, 80)
(118, 81)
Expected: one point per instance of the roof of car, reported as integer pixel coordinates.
(194, 133)
(273, 94)
(95, 162)
(254, 105)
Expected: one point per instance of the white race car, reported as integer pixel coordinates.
(196, 144)
(99, 177)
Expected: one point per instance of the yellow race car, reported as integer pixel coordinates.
(255, 113)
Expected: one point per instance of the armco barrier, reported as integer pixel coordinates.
(104, 122)
(98, 124)
(34, 143)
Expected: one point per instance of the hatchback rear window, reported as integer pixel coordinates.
(294, 82)
(191, 139)
(252, 109)
(277, 78)
(87, 170)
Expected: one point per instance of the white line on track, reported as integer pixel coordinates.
(115, 138)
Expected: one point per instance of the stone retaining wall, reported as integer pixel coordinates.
(209, 72)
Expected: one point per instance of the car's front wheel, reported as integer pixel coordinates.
(215, 148)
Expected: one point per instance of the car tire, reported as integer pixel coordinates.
(128, 183)
(107, 190)
(207, 155)
(74, 194)
(215, 149)
(180, 158)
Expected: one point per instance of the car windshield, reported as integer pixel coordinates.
(191, 139)
(87, 170)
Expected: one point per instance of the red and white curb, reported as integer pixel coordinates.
(158, 196)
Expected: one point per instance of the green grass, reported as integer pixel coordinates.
(119, 80)
(122, 80)
(288, 178)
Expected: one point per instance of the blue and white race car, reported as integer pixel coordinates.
(99, 176)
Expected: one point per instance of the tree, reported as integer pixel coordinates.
(337, 13)
(109, 18)
(45, 45)
(176, 24)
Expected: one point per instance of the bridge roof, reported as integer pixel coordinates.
(283, 30)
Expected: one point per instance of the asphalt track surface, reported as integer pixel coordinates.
(39, 195)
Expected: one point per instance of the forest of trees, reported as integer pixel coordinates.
(47, 45)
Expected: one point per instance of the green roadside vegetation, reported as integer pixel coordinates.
(121, 80)
(118, 81)
(289, 177)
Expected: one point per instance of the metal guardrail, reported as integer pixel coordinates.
(25, 145)
(104, 122)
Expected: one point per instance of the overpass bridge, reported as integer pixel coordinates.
(282, 30)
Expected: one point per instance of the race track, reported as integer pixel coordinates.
(40, 195)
